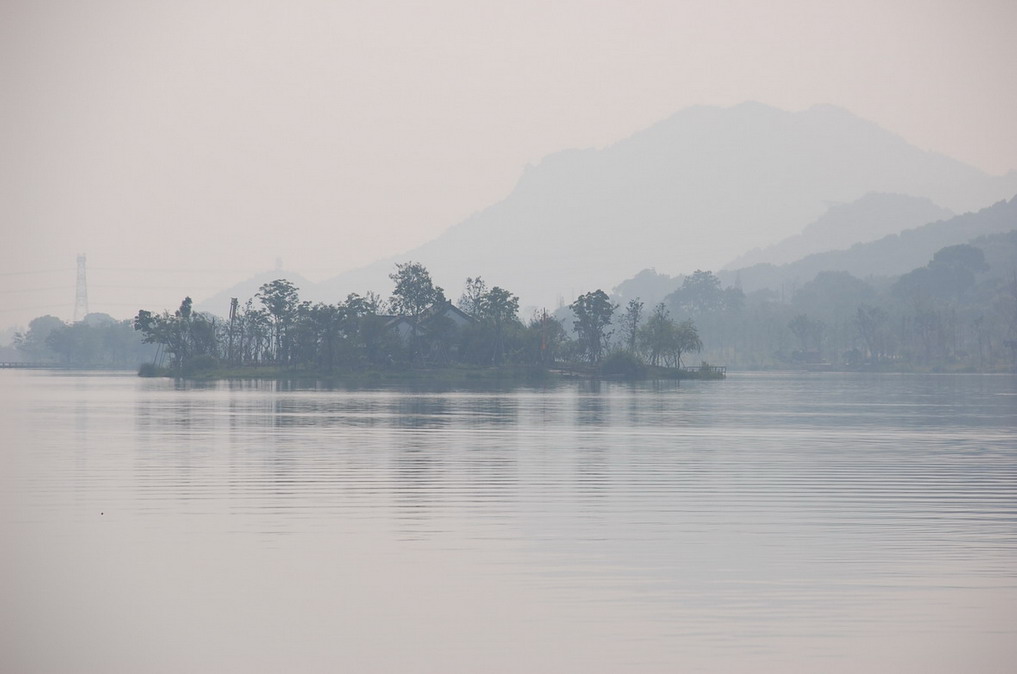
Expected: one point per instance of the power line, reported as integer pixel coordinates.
(35, 308)
(33, 290)
(123, 304)
(154, 270)
(34, 271)
(176, 288)
(151, 270)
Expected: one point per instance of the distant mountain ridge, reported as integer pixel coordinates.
(872, 217)
(693, 191)
(890, 256)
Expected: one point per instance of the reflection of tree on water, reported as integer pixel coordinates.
(444, 475)
(421, 411)
(417, 450)
(483, 410)
(591, 405)
(172, 447)
(418, 473)
(593, 471)
(594, 447)
(653, 399)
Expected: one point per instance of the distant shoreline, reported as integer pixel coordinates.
(443, 375)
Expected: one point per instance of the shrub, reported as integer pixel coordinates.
(151, 370)
(201, 363)
(622, 364)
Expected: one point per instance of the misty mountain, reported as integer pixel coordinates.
(693, 191)
(890, 256)
(872, 217)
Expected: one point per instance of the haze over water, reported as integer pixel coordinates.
(770, 522)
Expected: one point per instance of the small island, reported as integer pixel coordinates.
(417, 334)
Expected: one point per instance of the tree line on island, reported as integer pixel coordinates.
(417, 326)
(956, 313)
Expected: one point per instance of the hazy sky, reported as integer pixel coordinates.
(205, 136)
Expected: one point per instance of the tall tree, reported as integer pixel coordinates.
(664, 341)
(414, 291)
(469, 301)
(700, 294)
(686, 341)
(808, 331)
(281, 300)
(593, 312)
(497, 308)
(545, 336)
(657, 334)
(871, 323)
(630, 323)
(413, 295)
(172, 332)
(34, 342)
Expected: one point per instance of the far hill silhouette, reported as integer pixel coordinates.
(691, 192)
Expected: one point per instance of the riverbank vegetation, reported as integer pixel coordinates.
(417, 332)
(97, 342)
(958, 313)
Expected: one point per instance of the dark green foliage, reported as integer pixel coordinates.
(956, 312)
(701, 294)
(496, 311)
(414, 291)
(630, 323)
(663, 341)
(281, 301)
(809, 333)
(151, 370)
(201, 363)
(543, 340)
(873, 325)
(34, 343)
(593, 313)
(892, 255)
(832, 294)
(415, 294)
(185, 335)
(97, 341)
(496, 335)
(470, 299)
(950, 274)
(350, 336)
(624, 364)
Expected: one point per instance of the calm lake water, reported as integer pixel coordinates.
(769, 522)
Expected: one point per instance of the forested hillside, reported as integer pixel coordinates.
(889, 256)
(958, 311)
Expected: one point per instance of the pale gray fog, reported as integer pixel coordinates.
(770, 522)
(186, 147)
(805, 212)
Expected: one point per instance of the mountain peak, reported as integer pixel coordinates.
(690, 192)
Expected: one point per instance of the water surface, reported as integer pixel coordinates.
(770, 522)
